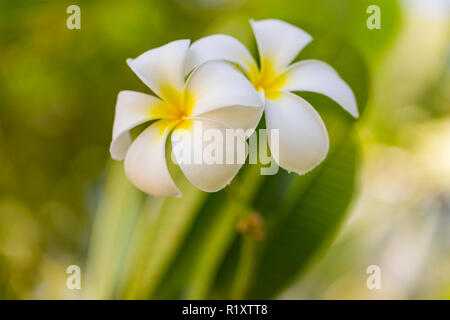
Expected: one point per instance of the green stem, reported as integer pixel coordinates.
(114, 220)
(244, 270)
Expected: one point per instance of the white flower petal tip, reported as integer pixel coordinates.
(145, 162)
(219, 47)
(279, 41)
(302, 136)
(162, 66)
(317, 76)
(132, 109)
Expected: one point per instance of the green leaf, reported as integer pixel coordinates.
(315, 214)
(161, 230)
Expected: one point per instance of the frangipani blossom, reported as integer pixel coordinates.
(215, 94)
(303, 138)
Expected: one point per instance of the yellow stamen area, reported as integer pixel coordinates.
(267, 79)
(165, 124)
(176, 107)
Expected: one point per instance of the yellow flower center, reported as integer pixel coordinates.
(267, 79)
(176, 106)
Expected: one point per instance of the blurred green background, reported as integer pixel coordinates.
(382, 197)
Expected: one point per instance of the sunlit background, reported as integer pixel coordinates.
(63, 201)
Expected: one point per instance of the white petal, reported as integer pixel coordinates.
(237, 117)
(317, 76)
(217, 84)
(303, 139)
(207, 175)
(161, 69)
(279, 42)
(145, 162)
(132, 109)
(219, 46)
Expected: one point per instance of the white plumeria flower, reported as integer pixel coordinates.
(216, 95)
(303, 138)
